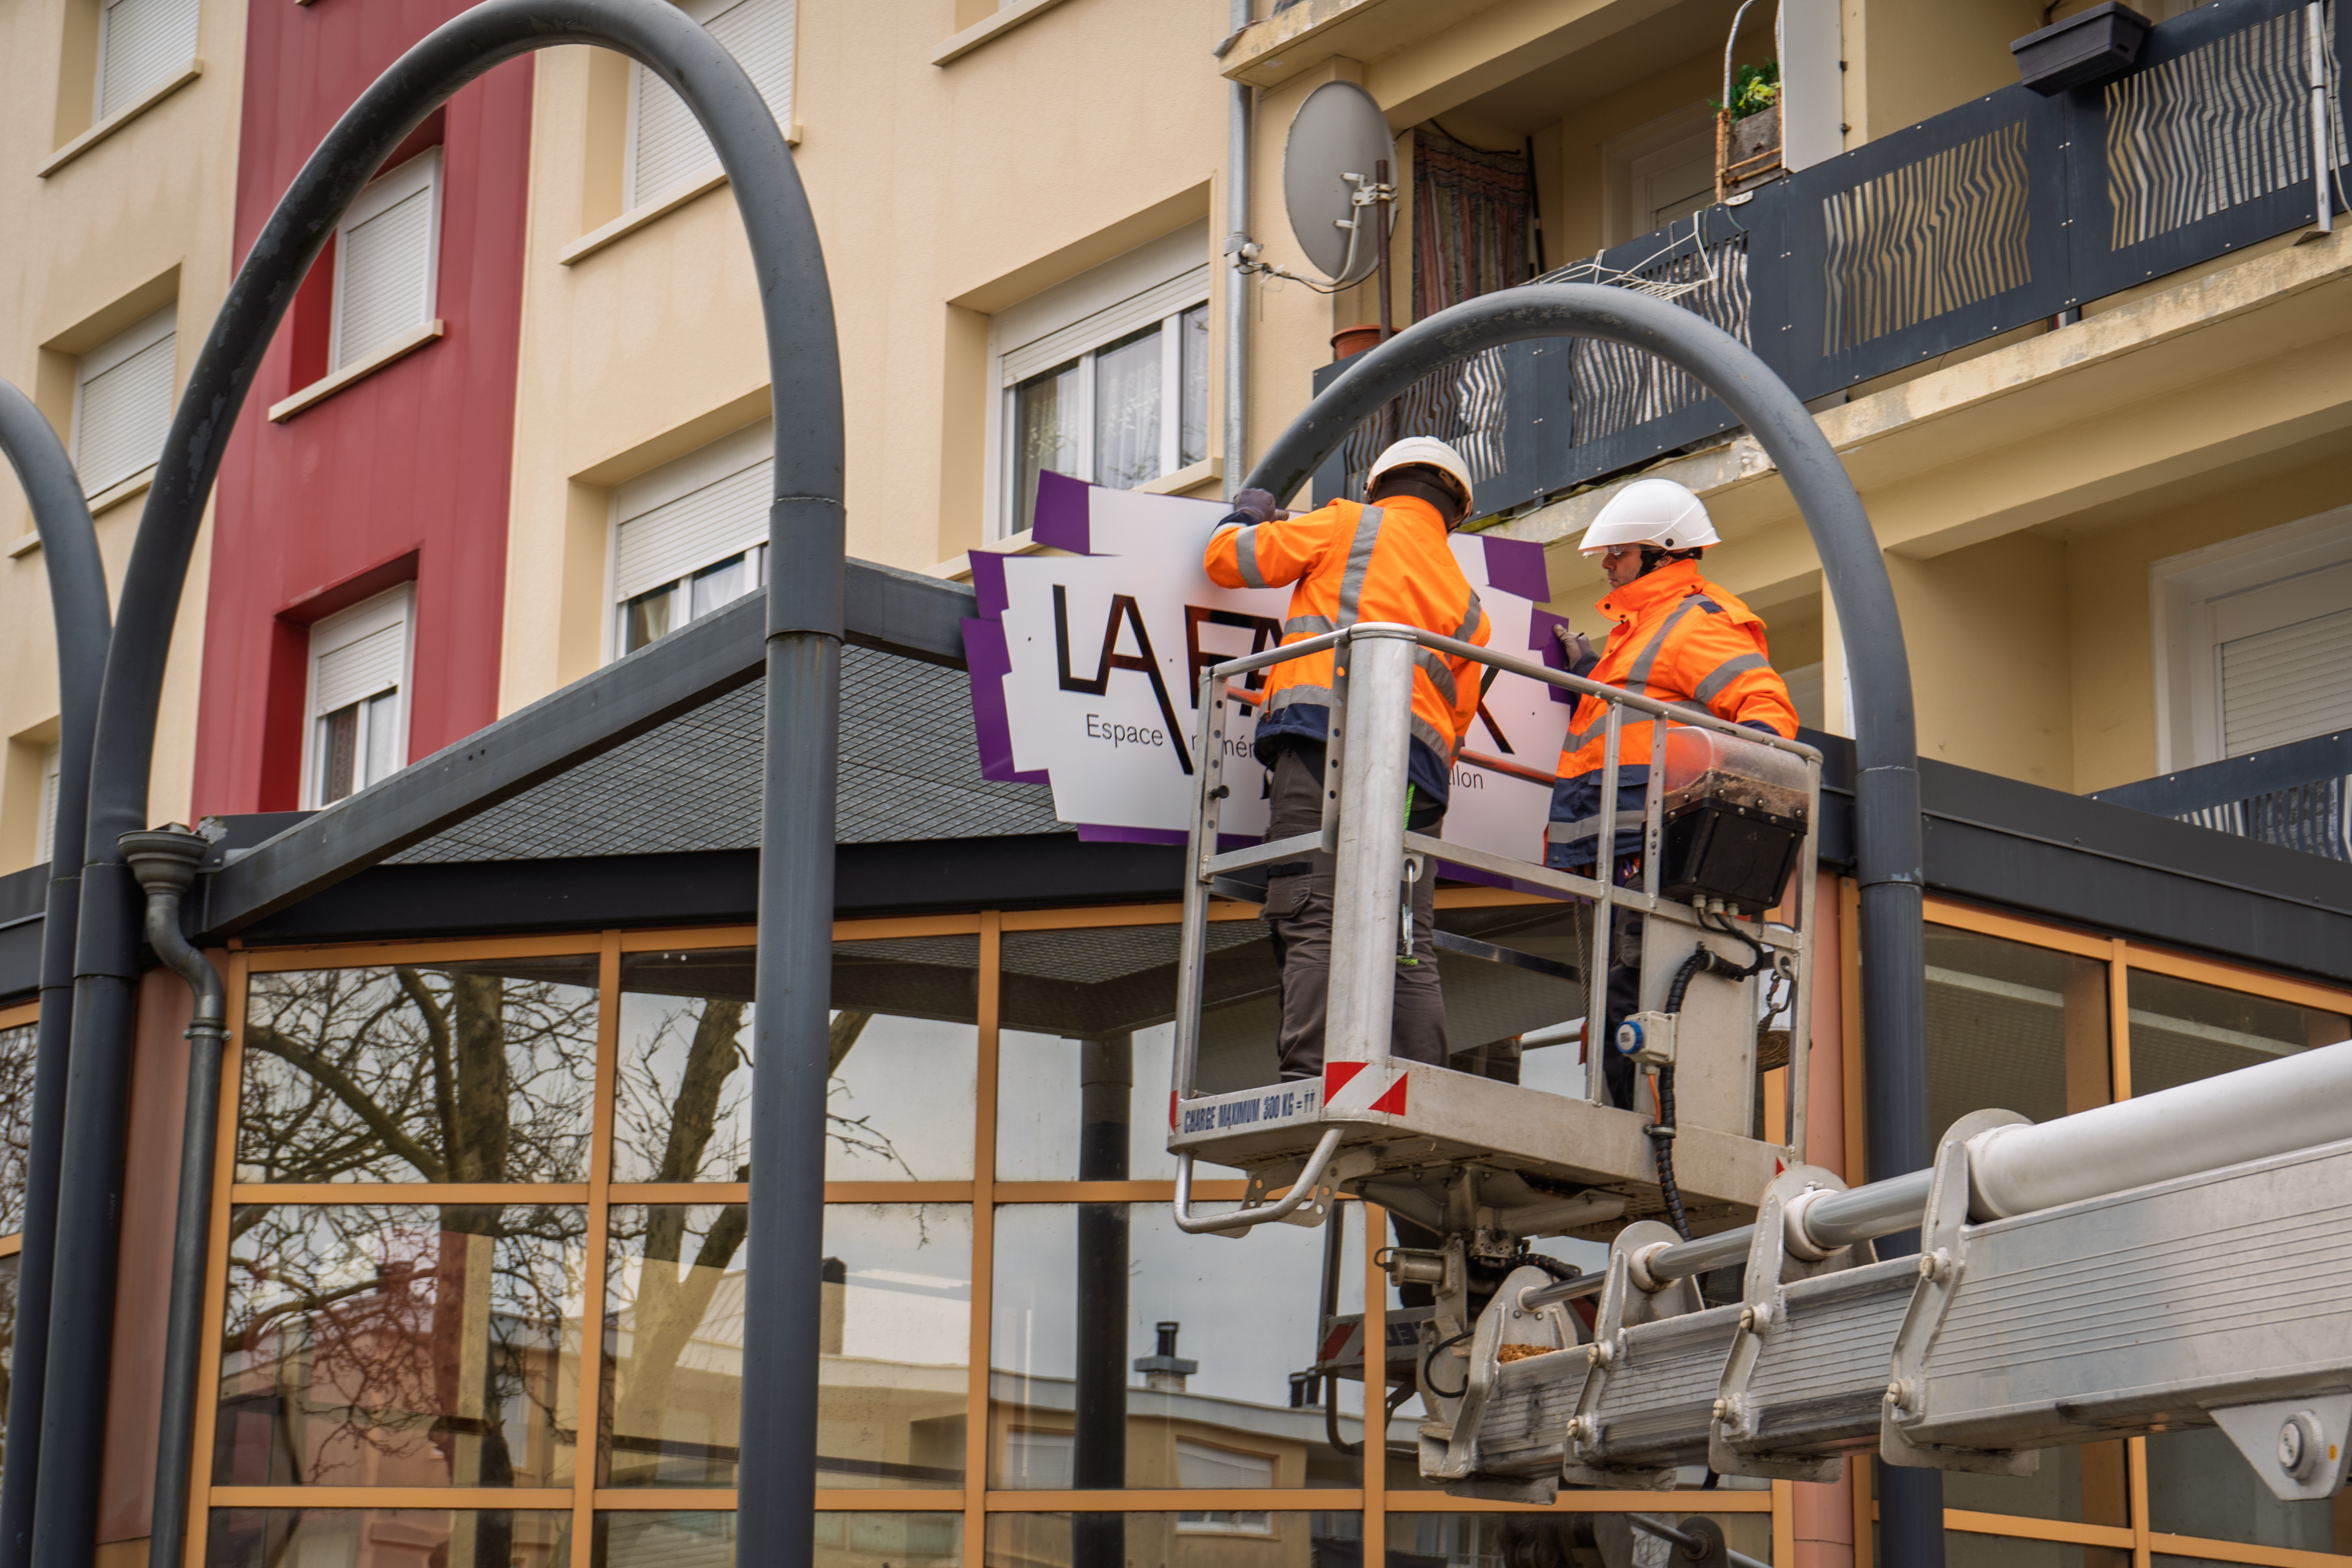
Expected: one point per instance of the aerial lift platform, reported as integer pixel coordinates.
(2181, 1258)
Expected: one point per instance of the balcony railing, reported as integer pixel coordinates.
(2294, 795)
(1994, 216)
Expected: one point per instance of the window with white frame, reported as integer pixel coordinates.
(1204, 1465)
(139, 44)
(691, 535)
(2254, 641)
(122, 404)
(1106, 377)
(360, 661)
(666, 142)
(45, 843)
(387, 252)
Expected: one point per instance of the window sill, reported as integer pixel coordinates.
(120, 118)
(123, 490)
(26, 545)
(979, 33)
(660, 207)
(319, 391)
(1185, 479)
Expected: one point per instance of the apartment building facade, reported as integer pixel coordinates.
(516, 428)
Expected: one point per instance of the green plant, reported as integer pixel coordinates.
(1754, 90)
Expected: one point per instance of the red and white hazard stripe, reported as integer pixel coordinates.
(1360, 1085)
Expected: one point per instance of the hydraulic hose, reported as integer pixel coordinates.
(1662, 1131)
(164, 861)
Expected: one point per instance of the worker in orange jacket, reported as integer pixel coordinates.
(1384, 559)
(1678, 638)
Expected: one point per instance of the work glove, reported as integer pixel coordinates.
(1578, 646)
(1259, 505)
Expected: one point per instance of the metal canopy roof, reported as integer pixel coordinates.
(660, 753)
(909, 770)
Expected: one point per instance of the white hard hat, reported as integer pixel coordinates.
(1429, 452)
(1655, 513)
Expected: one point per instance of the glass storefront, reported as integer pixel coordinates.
(460, 1167)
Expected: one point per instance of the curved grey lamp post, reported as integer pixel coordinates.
(805, 534)
(1888, 848)
(78, 606)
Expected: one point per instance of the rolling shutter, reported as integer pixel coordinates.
(666, 143)
(361, 668)
(145, 42)
(1161, 299)
(2287, 684)
(384, 268)
(666, 541)
(123, 406)
(46, 847)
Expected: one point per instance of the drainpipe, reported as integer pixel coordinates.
(1239, 249)
(80, 614)
(164, 861)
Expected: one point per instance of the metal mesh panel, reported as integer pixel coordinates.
(1929, 237)
(1613, 388)
(2217, 127)
(1461, 404)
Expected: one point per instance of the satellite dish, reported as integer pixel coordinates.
(1338, 132)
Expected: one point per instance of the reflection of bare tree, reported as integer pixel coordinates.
(379, 1345)
(438, 1075)
(16, 1123)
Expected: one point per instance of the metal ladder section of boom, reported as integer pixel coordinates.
(2180, 1259)
(1405, 1133)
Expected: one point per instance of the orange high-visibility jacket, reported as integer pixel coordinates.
(1355, 562)
(1678, 638)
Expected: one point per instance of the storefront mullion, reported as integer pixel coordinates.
(594, 1372)
(983, 1239)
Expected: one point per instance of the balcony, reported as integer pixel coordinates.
(2295, 796)
(2007, 213)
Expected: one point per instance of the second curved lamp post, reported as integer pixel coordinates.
(1889, 853)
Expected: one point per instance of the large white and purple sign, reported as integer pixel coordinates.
(1086, 670)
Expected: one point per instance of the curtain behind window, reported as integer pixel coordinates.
(1470, 220)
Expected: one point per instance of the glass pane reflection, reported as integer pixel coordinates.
(388, 1538)
(1217, 1409)
(2182, 1031)
(2013, 1027)
(843, 1539)
(2198, 1484)
(15, 1122)
(895, 1333)
(2084, 1485)
(905, 1049)
(452, 1072)
(375, 1345)
(1281, 1538)
(1554, 1540)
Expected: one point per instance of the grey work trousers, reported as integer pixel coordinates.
(1298, 910)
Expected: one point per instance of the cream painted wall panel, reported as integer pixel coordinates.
(929, 186)
(158, 195)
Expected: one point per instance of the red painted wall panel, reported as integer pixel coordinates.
(412, 461)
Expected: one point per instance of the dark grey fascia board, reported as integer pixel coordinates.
(895, 612)
(2075, 860)
(2236, 778)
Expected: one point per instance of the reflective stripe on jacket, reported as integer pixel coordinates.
(1678, 638)
(1353, 563)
